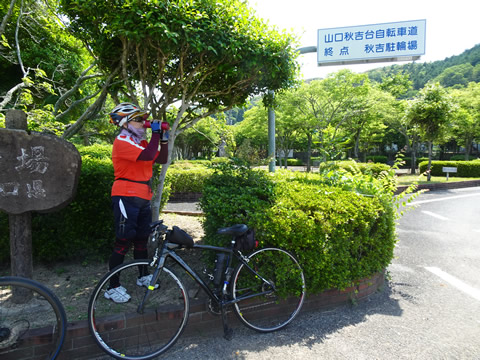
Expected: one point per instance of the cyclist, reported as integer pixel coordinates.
(133, 158)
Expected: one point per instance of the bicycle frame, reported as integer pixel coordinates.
(169, 250)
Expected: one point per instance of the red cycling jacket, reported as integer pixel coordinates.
(131, 174)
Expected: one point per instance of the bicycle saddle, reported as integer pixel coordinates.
(235, 230)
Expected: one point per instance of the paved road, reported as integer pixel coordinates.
(429, 309)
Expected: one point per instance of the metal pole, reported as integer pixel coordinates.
(271, 118)
(271, 137)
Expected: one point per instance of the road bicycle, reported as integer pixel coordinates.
(29, 309)
(265, 289)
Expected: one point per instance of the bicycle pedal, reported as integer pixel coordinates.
(228, 334)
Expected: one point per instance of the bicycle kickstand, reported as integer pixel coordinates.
(227, 332)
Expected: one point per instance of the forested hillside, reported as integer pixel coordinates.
(455, 71)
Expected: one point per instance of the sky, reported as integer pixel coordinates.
(451, 26)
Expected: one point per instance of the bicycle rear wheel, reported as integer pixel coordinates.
(282, 296)
(30, 314)
(123, 331)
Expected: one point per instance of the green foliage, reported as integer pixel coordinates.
(457, 158)
(234, 194)
(188, 179)
(378, 159)
(290, 162)
(97, 151)
(455, 67)
(353, 167)
(408, 161)
(340, 226)
(464, 168)
(84, 228)
(51, 61)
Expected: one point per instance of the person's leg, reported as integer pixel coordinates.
(143, 231)
(125, 216)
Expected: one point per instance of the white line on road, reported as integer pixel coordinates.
(442, 199)
(459, 284)
(434, 215)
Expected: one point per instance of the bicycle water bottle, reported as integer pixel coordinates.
(219, 266)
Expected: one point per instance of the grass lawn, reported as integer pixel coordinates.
(421, 179)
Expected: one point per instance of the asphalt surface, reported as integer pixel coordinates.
(421, 313)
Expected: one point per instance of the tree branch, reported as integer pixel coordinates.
(92, 110)
(6, 17)
(8, 96)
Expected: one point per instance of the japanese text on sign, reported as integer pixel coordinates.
(33, 161)
(369, 42)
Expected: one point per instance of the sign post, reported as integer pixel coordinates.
(38, 172)
(449, 170)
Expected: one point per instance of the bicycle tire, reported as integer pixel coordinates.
(121, 331)
(43, 314)
(275, 310)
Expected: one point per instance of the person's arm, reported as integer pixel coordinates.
(162, 158)
(149, 153)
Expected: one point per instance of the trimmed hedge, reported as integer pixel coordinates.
(84, 228)
(189, 180)
(378, 158)
(341, 228)
(290, 162)
(408, 161)
(354, 167)
(464, 168)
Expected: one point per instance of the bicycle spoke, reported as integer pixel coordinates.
(124, 332)
(278, 301)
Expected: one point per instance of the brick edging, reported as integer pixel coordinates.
(80, 345)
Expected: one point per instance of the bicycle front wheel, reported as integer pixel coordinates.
(271, 303)
(30, 314)
(133, 331)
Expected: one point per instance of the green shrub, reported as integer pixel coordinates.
(457, 158)
(233, 195)
(290, 162)
(188, 180)
(378, 159)
(341, 228)
(464, 168)
(408, 161)
(97, 151)
(84, 228)
(353, 167)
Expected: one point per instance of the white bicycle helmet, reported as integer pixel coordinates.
(125, 112)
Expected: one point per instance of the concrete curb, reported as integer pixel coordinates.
(442, 186)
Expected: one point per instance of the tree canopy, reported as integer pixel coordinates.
(202, 56)
(209, 55)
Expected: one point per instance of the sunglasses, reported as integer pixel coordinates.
(139, 119)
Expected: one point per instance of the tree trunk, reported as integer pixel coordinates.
(429, 175)
(468, 149)
(157, 198)
(309, 152)
(356, 148)
(413, 158)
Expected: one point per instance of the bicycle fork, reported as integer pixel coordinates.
(155, 276)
